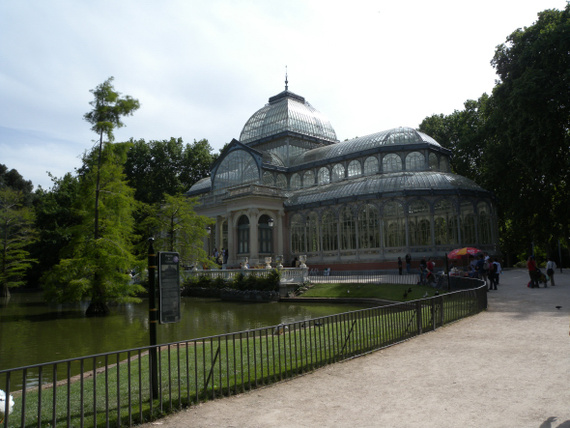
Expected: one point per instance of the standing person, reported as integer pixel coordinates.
(550, 266)
(532, 272)
(430, 270)
(498, 270)
(492, 274)
(423, 267)
(224, 258)
(400, 265)
(408, 263)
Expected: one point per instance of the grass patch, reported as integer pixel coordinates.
(394, 292)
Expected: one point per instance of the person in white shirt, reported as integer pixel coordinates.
(550, 266)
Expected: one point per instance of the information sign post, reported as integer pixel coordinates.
(169, 287)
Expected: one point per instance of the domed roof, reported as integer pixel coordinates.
(287, 112)
(395, 137)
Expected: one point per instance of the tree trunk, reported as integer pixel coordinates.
(4, 292)
(97, 309)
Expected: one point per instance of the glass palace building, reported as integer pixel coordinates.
(290, 188)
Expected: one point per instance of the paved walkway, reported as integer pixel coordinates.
(506, 367)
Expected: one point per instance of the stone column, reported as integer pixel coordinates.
(253, 215)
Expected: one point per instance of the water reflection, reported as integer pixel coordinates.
(33, 332)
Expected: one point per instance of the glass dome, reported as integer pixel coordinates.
(287, 112)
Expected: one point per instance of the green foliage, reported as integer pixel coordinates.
(176, 227)
(516, 142)
(241, 282)
(166, 167)
(16, 234)
(97, 267)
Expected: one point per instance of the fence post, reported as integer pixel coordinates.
(419, 315)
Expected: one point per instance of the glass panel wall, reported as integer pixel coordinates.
(295, 181)
(484, 225)
(308, 179)
(391, 163)
(419, 225)
(354, 169)
(445, 221)
(433, 162)
(394, 225)
(281, 181)
(298, 234)
(237, 168)
(347, 229)
(338, 172)
(371, 165)
(313, 238)
(268, 179)
(468, 236)
(324, 176)
(415, 161)
(368, 227)
(329, 231)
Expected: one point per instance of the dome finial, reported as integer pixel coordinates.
(286, 81)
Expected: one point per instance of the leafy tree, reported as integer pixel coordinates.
(108, 108)
(12, 178)
(55, 218)
(16, 234)
(166, 167)
(531, 121)
(98, 267)
(176, 227)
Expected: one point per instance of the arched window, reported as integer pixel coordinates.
(371, 165)
(433, 162)
(324, 176)
(347, 230)
(265, 235)
(295, 181)
(444, 164)
(313, 237)
(391, 163)
(298, 234)
(484, 223)
(281, 181)
(354, 169)
(308, 179)
(368, 230)
(329, 231)
(467, 224)
(237, 168)
(243, 235)
(268, 179)
(394, 225)
(419, 225)
(445, 221)
(338, 172)
(415, 161)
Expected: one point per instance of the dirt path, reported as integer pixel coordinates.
(506, 367)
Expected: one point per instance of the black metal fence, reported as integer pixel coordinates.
(116, 388)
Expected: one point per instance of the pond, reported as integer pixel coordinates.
(33, 332)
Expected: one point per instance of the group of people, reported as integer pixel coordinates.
(221, 257)
(536, 276)
(488, 269)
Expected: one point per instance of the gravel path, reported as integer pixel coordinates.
(506, 367)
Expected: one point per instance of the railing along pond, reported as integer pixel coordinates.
(115, 388)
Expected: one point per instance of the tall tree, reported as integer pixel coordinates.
(108, 108)
(531, 119)
(16, 234)
(98, 267)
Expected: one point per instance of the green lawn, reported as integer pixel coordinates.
(394, 292)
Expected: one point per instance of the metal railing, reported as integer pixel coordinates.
(116, 388)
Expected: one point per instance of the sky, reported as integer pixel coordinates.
(200, 69)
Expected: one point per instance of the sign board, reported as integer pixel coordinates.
(168, 287)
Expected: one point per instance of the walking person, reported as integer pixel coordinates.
(498, 270)
(532, 272)
(493, 275)
(550, 267)
(399, 265)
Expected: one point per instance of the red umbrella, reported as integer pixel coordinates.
(463, 252)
